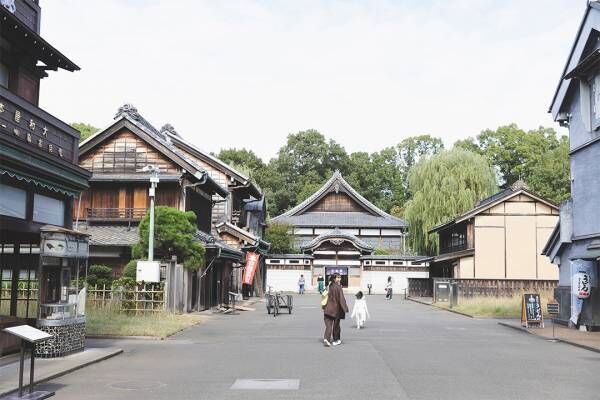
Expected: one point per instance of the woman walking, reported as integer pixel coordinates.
(335, 310)
(388, 289)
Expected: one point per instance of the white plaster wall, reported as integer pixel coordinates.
(287, 280)
(399, 280)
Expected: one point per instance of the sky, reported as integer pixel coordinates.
(366, 74)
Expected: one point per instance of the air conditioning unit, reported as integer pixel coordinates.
(148, 271)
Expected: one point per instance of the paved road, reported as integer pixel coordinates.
(407, 351)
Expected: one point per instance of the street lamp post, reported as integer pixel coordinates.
(154, 170)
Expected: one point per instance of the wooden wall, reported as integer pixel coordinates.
(336, 202)
(125, 153)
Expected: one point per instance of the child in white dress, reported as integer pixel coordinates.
(360, 312)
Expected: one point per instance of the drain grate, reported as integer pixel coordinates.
(266, 384)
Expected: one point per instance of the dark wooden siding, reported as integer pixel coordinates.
(336, 202)
(125, 153)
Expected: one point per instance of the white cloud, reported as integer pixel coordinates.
(367, 74)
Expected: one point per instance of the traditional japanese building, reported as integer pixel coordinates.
(39, 177)
(117, 200)
(336, 230)
(502, 237)
(239, 218)
(574, 245)
(190, 180)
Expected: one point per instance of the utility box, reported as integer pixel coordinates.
(148, 271)
(441, 291)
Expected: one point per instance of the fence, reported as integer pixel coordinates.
(423, 287)
(139, 299)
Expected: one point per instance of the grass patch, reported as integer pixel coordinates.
(495, 307)
(107, 321)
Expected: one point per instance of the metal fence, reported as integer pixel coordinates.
(139, 299)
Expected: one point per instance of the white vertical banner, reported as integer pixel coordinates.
(583, 277)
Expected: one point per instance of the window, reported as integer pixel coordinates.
(3, 75)
(48, 210)
(595, 102)
(14, 201)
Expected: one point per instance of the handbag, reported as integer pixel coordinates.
(324, 298)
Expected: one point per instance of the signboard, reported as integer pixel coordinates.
(28, 333)
(31, 130)
(531, 310)
(251, 265)
(582, 279)
(58, 244)
(553, 307)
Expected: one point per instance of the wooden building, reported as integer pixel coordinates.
(117, 199)
(338, 231)
(39, 171)
(502, 237)
(239, 217)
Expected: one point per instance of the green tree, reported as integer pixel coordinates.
(130, 270)
(243, 159)
(539, 157)
(306, 159)
(99, 275)
(444, 186)
(173, 235)
(414, 148)
(85, 130)
(282, 241)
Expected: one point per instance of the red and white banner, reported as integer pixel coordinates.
(251, 265)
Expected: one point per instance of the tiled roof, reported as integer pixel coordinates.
(338, 234)
(111, 235)
(371, 217)
(341, 219)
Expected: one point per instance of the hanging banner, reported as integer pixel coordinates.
(582, 279)
(251, 265)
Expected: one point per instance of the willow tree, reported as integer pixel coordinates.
(443, 187)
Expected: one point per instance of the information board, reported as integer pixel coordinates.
(531, 310)
(553, 307)
(28, 333)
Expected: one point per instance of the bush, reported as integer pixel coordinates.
(130, 270)
(99, 275)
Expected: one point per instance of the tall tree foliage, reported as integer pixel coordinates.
(282, 242)
(173, 235)
(85, 130)
(442, 187)
(539, 157)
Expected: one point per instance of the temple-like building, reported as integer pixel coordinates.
(336, 230)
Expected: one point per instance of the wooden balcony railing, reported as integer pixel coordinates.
(115, 214)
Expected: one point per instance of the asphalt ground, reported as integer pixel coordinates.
(406, 351)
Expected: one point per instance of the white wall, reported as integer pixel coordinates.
(399, 280)
(287, 280)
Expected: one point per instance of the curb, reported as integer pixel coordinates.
(440, 308)
(575, 344)
(117, 337)
(67, 371)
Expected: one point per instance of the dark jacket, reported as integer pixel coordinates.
(336, 302)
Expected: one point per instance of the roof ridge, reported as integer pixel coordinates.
(337, 175)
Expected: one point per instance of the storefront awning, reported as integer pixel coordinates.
(23, 176)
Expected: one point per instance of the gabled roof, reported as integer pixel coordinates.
(243, 180)
(337, 235)
(128, 117)
(590, 22)
(242, 235)
(372, 215)
(516, 189)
